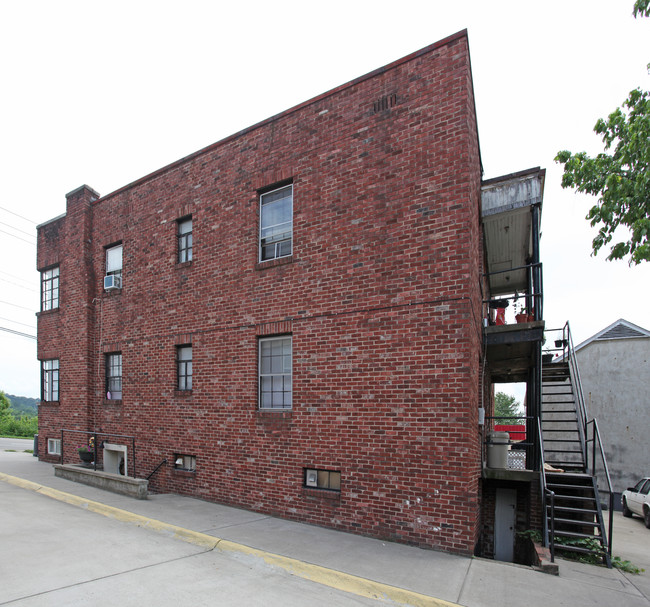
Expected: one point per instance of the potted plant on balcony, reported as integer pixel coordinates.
(87, 452)
(522, 315)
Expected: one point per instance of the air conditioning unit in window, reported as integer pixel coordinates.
(311, 478)
(112, 282)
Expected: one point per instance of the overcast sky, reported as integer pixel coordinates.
(104, 93)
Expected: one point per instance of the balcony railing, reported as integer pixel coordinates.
(528, 303)
(517, 458)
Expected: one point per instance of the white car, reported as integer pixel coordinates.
(636, 500)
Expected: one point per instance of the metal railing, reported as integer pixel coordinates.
(565, 349)
(595, 436)
(548, 536)
(98, 440)
(533, 296)
(493, 420)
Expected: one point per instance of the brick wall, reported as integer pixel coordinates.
(381, 297)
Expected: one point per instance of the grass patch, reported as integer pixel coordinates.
(590, 559)
(626, 566)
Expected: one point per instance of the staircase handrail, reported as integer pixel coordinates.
(596, 435)
(548, 538)
(570, 357)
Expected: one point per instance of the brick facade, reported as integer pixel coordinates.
(381, 297)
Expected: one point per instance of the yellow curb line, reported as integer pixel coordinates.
(315, 573)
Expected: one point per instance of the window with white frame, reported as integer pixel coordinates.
(50, 380)
(50, 289)
(114, 260)
(184, 367)
(276, 223)
(275, 372)
(114, 376)
(54, 446)
(184, 239)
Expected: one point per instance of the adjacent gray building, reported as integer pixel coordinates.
(615, 372)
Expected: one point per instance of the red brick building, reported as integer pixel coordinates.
(291, 319)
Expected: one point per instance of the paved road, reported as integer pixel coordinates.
(16, 444)
(56, 554)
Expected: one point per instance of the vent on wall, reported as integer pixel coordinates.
(385, 103)
(621, 331)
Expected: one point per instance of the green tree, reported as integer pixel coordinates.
(620, 176)
(642, 7)
(5, 404)
(508, 407)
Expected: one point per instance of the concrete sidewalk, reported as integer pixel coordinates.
(356, 565)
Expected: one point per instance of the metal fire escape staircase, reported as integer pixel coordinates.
(570, 444)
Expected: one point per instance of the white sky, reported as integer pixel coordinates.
(104, 93)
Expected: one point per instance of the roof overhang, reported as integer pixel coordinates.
(506, 205)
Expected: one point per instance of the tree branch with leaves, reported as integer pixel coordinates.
(619, 176)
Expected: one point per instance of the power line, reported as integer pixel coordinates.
(17, 333)
(16, 305)
(11, 282)
(19, 238)
(18, 323)
(18, 229)
(16, 214)
(16, 277)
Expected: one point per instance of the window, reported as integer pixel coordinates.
(50, 289)
(50, 380)
(184, 366)
(275, 372)
(276, 223)
(184, 240)
(54, 446)
(185, 462)
(114, 376)
(323, 479)
(114, 261)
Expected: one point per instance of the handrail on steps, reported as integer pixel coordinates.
(568, 356)
(548, 536)
(595, 434)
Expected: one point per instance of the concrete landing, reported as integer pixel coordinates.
(124, 485)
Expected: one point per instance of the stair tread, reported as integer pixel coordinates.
(575, 498)
(568, 495)
(576, 522)
(562, 451)
(577, 549)
(569, 509)
(577, 534)
(556, 411)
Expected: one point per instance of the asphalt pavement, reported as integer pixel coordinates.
(63, 543)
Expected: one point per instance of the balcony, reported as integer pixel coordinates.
(513, 299)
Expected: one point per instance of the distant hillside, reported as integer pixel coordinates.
(23, 405)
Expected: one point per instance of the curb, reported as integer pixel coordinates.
(316, 573)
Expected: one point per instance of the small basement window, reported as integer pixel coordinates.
(54, 446)
(323, 479)
(185, 462)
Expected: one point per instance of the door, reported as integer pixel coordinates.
(504, 525)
